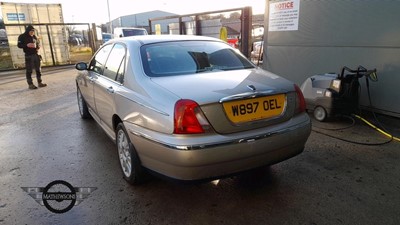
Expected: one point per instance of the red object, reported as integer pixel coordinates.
(234, 42)
(185, 120)
(301, 103)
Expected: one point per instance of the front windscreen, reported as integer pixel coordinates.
(189, 57)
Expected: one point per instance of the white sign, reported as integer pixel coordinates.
(284, 16)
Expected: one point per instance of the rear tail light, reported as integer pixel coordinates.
(300, 102)
(188, 118)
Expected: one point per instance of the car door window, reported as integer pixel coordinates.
(115, 63)
(121, 72)
(98, 61)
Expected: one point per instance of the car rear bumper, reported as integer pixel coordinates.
(175, 158)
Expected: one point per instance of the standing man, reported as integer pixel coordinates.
(30, 44)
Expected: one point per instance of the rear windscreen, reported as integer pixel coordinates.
(190, 57)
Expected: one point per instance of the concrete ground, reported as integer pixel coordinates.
(43, 139)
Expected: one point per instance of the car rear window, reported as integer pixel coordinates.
(190, 57)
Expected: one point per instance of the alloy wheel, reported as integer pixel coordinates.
(124, 153)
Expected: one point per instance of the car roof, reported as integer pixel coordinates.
(149, 39)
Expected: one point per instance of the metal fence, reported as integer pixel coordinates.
(237, 22)
(61, 44)
(69, 43)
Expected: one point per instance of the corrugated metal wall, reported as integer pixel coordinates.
(336, 33)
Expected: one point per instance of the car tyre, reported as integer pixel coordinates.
(320, 113)
(83, 108)
(129, 161)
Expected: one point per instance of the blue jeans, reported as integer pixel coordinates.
(33, 62)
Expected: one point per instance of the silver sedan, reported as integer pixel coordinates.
(190, 107)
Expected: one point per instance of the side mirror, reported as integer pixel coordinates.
(81, 66)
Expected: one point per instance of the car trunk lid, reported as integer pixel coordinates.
(234, 101)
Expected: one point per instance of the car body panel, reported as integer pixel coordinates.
(205, 157)
(104, 92)
(145, 105)
(85, 83)
(218, 85)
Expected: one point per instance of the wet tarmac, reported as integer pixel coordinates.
(43, 138)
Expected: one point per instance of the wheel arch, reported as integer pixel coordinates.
(115, 121)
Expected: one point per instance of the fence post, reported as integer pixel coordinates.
(198, 25)
(93, 38)
(51, 45)
(246, 31)
(150, 27)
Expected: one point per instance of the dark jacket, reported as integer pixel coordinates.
(25, 38)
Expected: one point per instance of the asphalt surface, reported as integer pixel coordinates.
(43, 139)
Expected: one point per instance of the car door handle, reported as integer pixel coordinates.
(110, 90)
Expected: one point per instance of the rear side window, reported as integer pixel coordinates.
(99, 60)
(190, 57)
(114, 67)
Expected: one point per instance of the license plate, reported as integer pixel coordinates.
(255, 109)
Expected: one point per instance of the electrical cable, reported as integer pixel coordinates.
(352, 142)
(377, 128)
(353, 122)
(381, 128)
(345, 140)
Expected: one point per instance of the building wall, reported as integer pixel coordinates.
(333, 34)
(141, 20)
